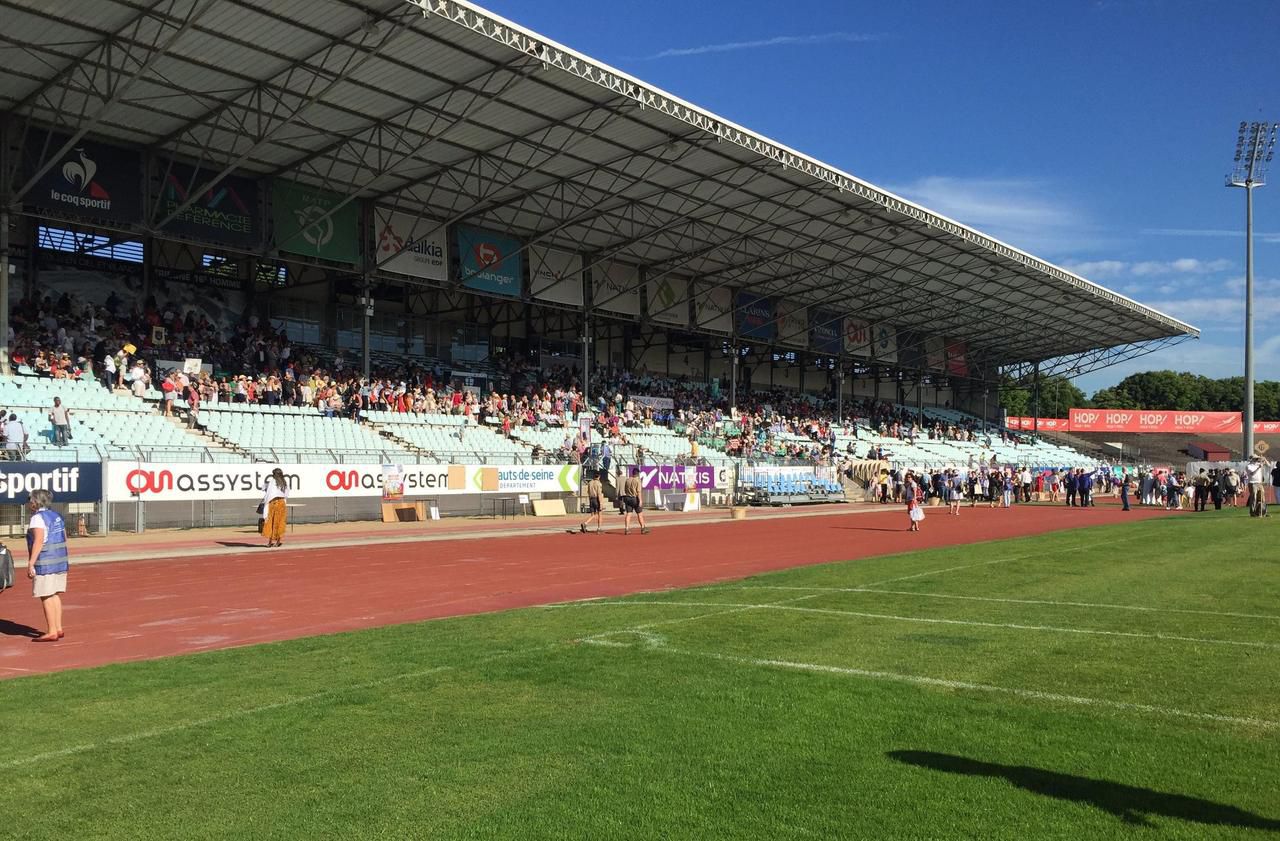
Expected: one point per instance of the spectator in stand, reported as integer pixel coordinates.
(169, 392)
(15, 437)
(60, 417)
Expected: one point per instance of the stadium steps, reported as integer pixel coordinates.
(222, 451)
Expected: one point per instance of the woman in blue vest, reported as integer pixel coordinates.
(47, 561)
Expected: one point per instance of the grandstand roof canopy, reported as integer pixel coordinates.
(442, 108)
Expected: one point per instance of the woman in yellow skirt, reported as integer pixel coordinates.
(274, 511)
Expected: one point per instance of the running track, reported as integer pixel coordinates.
(157, 608)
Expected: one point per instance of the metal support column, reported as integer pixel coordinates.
(5, 370)
(839, 392)
(586, 360)
(733, 382)
(1035, 400)
(366, 307)
(1248, 321)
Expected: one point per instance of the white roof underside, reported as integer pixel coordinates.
(464, 116)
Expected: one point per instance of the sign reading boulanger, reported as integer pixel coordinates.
(160, 482)
(67, 482)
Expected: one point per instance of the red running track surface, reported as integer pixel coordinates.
(146, 609)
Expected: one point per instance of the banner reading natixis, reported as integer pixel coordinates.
(1136, 420)
(129, 481)
(667, 477)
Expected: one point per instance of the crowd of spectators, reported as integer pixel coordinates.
(140, 347)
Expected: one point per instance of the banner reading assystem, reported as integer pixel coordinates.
(1135, 420)
(129, 481)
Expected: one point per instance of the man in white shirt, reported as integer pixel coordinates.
(1254, 473)
(15, 435)
(60, 417)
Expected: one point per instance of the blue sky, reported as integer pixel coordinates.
(1093, 134)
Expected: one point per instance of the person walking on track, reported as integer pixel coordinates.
(275, 510)
(47, 562)
(595, 504)
(631, 491)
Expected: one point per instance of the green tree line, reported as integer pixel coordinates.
(1168, 390)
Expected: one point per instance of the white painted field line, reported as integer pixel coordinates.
(943, 683)
(1104, 605)
(1013, 626)
(245, 712)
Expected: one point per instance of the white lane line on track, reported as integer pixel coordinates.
(943, 683)
(1013, 626)
(1135, 607)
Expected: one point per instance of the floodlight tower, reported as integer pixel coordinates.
(1254, 149)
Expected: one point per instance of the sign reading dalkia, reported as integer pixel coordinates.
(129, 481)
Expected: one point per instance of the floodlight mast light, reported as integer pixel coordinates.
(1255, 147)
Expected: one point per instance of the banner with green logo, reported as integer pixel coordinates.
(307, 223)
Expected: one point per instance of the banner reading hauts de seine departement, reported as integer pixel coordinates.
(315, 223)
(490, 262)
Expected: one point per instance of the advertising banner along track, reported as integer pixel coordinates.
(129, 481)
(1150, 420)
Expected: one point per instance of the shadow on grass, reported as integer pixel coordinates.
(17, 629)
(1129, 803)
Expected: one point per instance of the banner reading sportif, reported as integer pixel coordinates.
(668, 299)
(68, 482)
(615, 287)
(713, 308)
(92, 179)
(131, 481)
(825, 332)
(755, 316)
(1135, 420)
(793, 323)
(555, 275)
(314, 222)
(410, 245)
(489, 261)
(225, 213)
(1045, 424)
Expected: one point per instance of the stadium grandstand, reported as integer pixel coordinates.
(344, 234)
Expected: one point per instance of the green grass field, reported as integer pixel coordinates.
(1111, 682)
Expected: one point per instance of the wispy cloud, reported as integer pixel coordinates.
(1183, 266)
(1026, 213)
(1258, 236)
(776, 41)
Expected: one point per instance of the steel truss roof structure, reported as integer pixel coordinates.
(447, 111)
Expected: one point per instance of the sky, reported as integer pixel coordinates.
(1095, 135)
